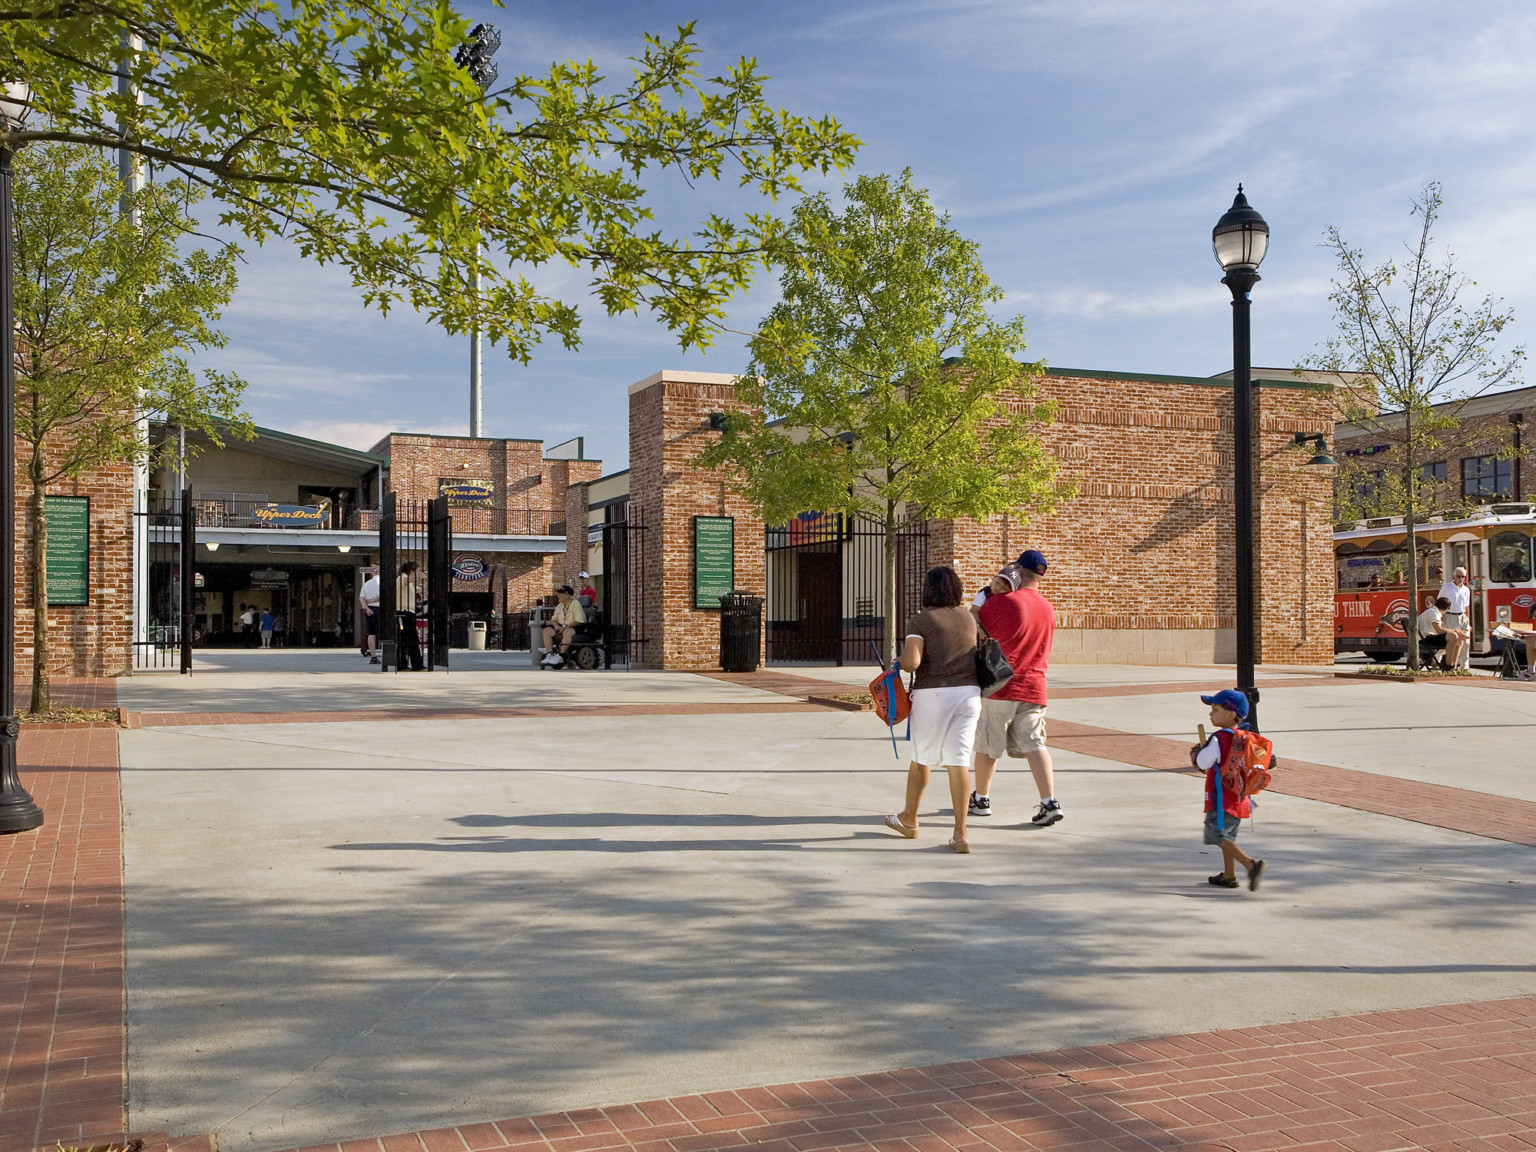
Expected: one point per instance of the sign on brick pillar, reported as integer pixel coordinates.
(669, 416)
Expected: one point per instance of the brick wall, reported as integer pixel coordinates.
(668, 428)
(92, 640)
(1141, 561)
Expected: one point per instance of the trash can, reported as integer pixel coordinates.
(741, 629)
(477, 635)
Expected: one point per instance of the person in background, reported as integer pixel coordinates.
(409, 650)
(368, 601)
(568, 614)
(266, 628)
(1458, 616)
(585, 588)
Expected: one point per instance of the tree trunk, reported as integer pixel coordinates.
(37, 579)
(1411, 625)
(889, 648)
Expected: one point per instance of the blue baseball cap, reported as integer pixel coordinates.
(1230, 699)
(1034, 561)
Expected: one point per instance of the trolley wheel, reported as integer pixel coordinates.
(586, 658)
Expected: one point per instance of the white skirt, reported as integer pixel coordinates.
(944, 724)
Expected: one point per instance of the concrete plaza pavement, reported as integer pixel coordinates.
(349, 929)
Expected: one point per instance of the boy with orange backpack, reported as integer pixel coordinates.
(1236, 763)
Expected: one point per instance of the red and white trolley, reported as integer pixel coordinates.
(1496, 544)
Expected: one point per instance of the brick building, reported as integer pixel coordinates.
(90, 638)
(1483, 455)
(1138, 568)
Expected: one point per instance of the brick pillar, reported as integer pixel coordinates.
(668, 428)
(1294, 550)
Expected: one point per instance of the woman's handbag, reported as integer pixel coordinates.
(992, 667)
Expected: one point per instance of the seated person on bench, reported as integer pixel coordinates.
(567, 615)
(1433, 634)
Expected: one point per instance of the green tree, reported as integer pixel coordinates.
(106, 311)
(348, 128)
(880, 385)
(1405, 357)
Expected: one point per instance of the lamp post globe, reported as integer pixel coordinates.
(18, 811)
(1240, 240)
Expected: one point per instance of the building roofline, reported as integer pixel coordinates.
(1202, 381)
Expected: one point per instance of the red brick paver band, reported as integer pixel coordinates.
(62, 1074)
(1459, 1077)
(1460, 810)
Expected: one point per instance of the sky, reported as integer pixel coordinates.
(1087, 146)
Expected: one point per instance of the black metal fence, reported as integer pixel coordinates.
(623, 601)
(419, 532)
(165, 532)
(826, 586)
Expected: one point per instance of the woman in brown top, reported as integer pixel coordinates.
(946, 703)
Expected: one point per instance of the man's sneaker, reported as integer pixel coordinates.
(1047, 814)
(981, 805)
(555, 660)
(1221, 880)
(373, 660)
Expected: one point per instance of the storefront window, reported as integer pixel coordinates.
(1510, 558)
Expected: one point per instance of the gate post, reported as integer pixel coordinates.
(439, 576)
(188, 556)
(389, 626)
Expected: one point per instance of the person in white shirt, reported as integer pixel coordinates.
(368, 600)
(1458, 615)
(1434, 634)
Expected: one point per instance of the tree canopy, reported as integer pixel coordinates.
(880, 384)
(348, 128)
(107, 309)
(1406, 355)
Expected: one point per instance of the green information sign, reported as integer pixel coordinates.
(69, 550)
(714, 559)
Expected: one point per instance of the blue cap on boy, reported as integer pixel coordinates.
(1231, 699)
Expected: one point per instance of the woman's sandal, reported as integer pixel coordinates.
(894, 823)
(961, 846)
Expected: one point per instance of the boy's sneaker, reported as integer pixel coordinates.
(1222, 880)
(1255, 874)
(981, 805)
(1047, 814)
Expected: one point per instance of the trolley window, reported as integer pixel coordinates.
(1510, 558)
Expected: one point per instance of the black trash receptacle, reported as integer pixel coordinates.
(741, 629)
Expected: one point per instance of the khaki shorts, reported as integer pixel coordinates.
(1008, 724)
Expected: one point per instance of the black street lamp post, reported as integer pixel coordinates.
(18, 811)
(1240, 239)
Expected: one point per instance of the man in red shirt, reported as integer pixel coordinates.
(1024, 624)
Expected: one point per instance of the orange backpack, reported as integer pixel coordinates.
(1248, 763)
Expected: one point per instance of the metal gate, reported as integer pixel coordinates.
(623, 599)
(164, 637)
(420, 531)
(826, 586)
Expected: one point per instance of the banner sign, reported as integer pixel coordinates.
(468, 567)
(68, 560)
(289, 515)
(269, 578)
(466, 491)
(594, 535)
(714, 559)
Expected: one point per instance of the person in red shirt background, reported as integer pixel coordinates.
(1024, 625)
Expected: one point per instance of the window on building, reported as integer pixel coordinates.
(1509, 558)
(1433, 472)
(1487, 478)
